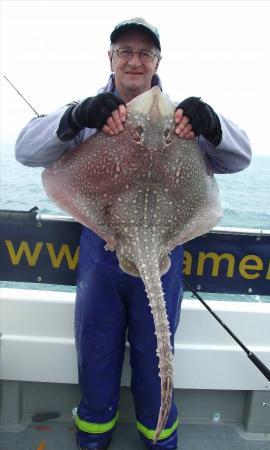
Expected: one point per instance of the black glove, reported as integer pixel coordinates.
(92, 112)
(203, 119)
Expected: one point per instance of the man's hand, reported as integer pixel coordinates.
(183, 126)
(194, 117)
(105, 111)
(114, 123)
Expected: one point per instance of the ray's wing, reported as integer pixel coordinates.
(86, 181)
(194, 194)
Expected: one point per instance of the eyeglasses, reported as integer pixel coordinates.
(128, 53)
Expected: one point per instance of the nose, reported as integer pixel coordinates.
(135, 60)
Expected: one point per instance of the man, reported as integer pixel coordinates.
(109, 301)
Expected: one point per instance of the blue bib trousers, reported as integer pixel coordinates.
(112, 306)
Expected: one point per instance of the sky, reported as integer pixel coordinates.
(56, 51)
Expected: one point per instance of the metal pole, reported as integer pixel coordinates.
(258, 363)
(18, 92)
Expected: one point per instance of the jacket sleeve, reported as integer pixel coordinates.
(232, 154)
(38, 144)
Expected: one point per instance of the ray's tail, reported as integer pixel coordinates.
(148, 267)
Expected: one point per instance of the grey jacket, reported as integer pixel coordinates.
(38, 144)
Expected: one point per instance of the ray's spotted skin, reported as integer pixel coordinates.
(143, 191)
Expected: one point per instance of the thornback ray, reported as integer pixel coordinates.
(144, 191)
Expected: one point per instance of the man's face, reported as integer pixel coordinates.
(133, 76)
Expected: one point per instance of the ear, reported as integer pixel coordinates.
(157, 65)
(110, 54)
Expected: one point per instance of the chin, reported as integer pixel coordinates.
(135, 87)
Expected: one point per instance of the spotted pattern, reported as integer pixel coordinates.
(143, 191)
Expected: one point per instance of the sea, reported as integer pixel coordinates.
(245, 197)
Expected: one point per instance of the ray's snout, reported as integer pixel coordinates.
(153, 108)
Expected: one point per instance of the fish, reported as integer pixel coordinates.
(144, 191)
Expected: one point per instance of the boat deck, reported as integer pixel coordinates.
(223, 400)
(58, 434)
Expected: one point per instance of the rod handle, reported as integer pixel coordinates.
(258, 363)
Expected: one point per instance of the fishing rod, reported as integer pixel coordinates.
(258, 363)
(18, 92)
